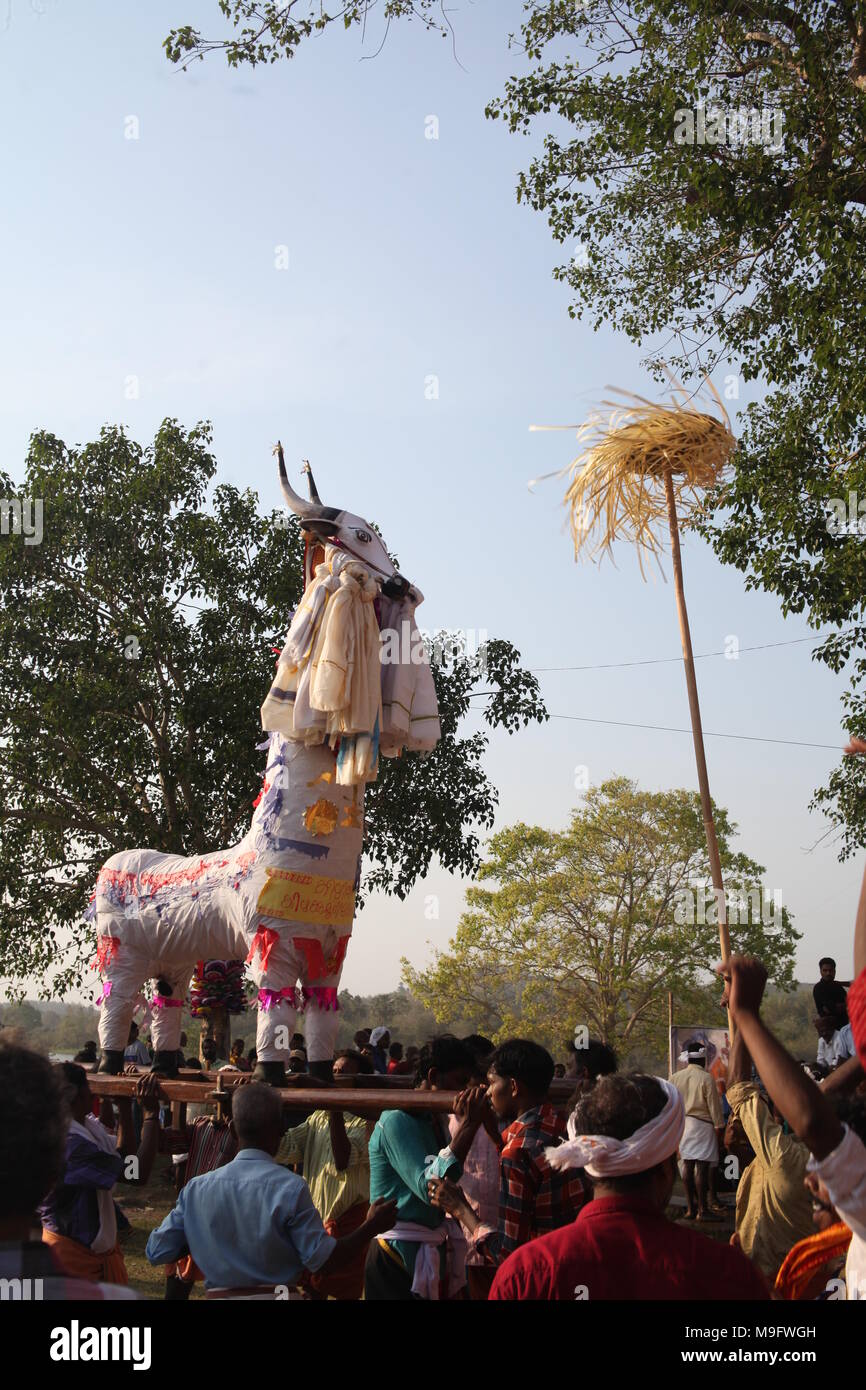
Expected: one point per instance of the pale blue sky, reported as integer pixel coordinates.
(155, 258)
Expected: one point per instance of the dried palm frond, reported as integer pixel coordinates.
(617, 488)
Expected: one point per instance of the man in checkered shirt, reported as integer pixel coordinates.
(533, 1198)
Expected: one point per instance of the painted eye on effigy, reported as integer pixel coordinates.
(362, 535)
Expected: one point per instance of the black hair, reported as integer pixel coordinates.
(525, 1061)
(364, 1065)
(362, 1037)
(395, 1051)
(33, 1120)
(596, 1059)
(618, 1105)
(481, 1048)
(826, 960)
(71, 1076)
(443, 1053)
(194, 1063)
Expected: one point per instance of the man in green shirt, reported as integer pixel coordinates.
(421, 1256)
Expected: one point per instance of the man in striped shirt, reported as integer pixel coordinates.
(533, 1198)
(331, 1147)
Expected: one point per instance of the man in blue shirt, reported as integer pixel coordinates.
(135, 1051)
(251, 1225)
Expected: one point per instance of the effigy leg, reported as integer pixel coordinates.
(167, 1024)
(274, 968)
(125, 971)
(321, 1025)
(323, 955)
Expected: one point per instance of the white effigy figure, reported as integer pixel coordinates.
(353, 683)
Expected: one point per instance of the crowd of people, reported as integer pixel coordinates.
(478, 1183)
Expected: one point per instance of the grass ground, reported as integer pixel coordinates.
(145, 1208)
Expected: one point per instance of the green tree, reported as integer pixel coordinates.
(592, 926)
(268, 32)
(713, 237)
(136, 645)
(790, 1017)
(25, 1018)
(408, 1019)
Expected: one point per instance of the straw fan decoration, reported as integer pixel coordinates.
(641, 466)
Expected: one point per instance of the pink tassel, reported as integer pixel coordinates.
(324, 995)
(269, 997)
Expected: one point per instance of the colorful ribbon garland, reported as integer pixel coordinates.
(268, 998)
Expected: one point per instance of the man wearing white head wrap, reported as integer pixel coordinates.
(705, 1121)
(604, 1156)
(624, 1136)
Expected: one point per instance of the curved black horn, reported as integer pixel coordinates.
(297, 503)
(314, 491)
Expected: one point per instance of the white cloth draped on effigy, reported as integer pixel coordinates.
(353, 683)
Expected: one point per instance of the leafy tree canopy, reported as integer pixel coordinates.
(591, 927)
(136, 646)
(266, 33)
(705, 162)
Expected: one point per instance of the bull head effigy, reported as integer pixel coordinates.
(284, 896)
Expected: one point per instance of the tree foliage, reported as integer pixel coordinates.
(269, 32)
(136, 646)
(737, 251)
(591, 927)
(731, 252)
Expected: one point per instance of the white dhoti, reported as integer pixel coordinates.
(699, 1143)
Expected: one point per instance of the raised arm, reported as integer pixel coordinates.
(846, 1077)
(147, 1095)
(860, 931)
(808, 1112)
(858, 746)
(739, 1061)
(470, 1108)
(341, 1145)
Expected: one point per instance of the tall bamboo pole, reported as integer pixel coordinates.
(670, 1033)
(697, 730)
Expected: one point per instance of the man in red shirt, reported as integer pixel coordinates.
(396, 1064)
(625, 1134)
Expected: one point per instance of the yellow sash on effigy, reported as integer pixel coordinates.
(298, 897)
